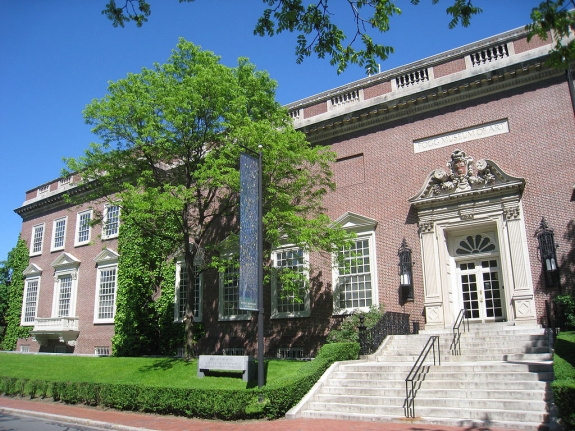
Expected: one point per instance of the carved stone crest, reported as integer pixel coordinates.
(462, 175)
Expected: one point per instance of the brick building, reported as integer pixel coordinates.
(459, 158)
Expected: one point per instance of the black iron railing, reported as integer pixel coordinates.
(391, 323)
(417, 374)
(556, 320)
(456, 342)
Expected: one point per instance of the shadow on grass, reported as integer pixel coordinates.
(165, 364)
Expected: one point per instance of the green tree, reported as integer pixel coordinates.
(171, 139)
(319, 31)
(556, 17)
(12, 283)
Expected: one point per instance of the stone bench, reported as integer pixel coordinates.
(243, 364)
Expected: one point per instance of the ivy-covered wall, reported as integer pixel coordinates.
(13, 281)
(144, 321)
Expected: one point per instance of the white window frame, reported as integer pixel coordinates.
(199, 282)
(65, 266)
(54, 247)
(241, 314)
(98, 301)
(275, 297)
(364, 228)
(105, 222)
(34, 251)
(79, 225)
(58, 278)
(35, 279)
(105, 261)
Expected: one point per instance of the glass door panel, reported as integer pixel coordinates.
(481, 291)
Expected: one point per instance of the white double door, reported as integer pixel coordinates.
(481, 289)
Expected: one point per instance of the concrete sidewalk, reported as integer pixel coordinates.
(130, 421)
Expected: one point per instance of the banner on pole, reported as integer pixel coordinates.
(249, 228)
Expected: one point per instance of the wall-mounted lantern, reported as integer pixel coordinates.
(547, 253)
(405, 271)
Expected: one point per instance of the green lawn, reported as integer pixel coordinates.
(159, 372)
(564, 359)
(564, 384)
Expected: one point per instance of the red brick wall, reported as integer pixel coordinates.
(521, 45)
(90, 334)
(314, 110)
(537, 148)
(448, 68)
(377, 90)
(542, 128)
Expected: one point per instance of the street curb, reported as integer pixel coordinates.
(71, 420)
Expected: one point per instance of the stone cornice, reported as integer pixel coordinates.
(52, 201)
(433, 98)
(434, 60)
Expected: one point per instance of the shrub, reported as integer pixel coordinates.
(271, 401)
(568, 303)
(283, 395)
(339, 351)
(564, 398)
(347, 331)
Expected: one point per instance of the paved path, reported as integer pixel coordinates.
(130, 421)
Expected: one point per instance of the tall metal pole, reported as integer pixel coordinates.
(260, 278)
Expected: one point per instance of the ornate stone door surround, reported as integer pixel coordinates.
(470, 197)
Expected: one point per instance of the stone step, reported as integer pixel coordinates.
(458, 422)
(502, 379)
(498, 353)
(458, 393)
(472, 344)
(518, 416)
(463, 367)
(469, 424)
(496, 357)
(508, 335)
(445, 384)
(426, 411)
(457, 403)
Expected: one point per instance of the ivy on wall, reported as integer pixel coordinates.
(13, 282)
(144, 320)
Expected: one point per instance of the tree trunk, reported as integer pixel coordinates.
(190, 251)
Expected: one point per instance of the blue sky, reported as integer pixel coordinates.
(58, 55)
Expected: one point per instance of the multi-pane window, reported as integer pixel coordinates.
(230, 294)
(106, 293)
(65, 296)
(30, 301)
(182, 284)
(354, 284)
(111, 221)
(83, 227)
(230, 291)
(59, 234)
(292, 301)
(37, 239)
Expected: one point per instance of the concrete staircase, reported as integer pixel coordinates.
(501, 380)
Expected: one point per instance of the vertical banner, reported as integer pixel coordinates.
(249, 228)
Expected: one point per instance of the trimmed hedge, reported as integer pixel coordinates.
(564, 385)
(271, 401)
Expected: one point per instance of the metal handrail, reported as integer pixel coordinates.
(456, 342)
(409, 404)
(391, 323)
